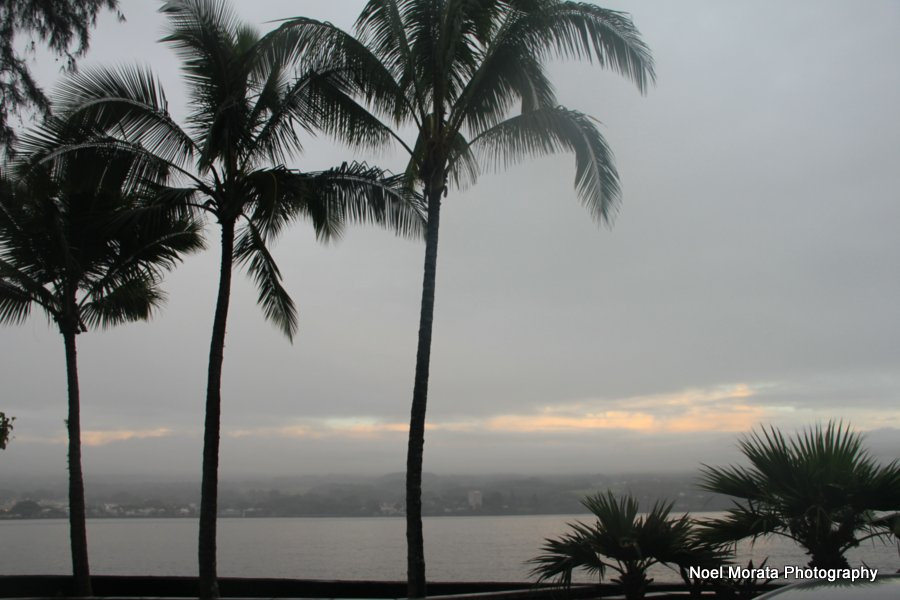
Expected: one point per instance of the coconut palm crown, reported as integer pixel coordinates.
(820, 488)
(470, 77)
(79, 240)
(249, 103)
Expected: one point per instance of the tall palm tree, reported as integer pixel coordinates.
(818, 488)
(248, 105)
(78, 239)
(470, 76)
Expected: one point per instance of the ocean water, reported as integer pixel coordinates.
(484, 548)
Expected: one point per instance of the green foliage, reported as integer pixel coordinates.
(62, 25)
(626, 542)
(79, 238)
(469, 77)
(820, 488)
(460, 71)
(82, 238)
(6, 427)
(249, 105)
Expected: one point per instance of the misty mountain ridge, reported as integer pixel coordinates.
(382, 495)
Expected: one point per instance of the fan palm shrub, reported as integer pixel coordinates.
(624, 541)
(249, 103)
(820, 488)
(469, 78)
(79, 240)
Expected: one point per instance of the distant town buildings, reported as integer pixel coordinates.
(383, 496)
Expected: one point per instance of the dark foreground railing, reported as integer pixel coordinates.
(112, 587)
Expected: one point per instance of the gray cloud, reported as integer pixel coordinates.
(756, 245)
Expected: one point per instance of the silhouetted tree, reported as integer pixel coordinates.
(625, 542)
(64, 26)
(6, 428)
(247, 107)
(470, 77)
(78, 239)
(818, 488)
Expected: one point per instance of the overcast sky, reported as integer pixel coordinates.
(752, 276)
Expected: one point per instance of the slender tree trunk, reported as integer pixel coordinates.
(209, 587)
(414, 542)
(77, 527)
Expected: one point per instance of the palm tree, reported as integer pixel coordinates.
(818, 488)
(6, 427)
(78, 240)
(470, 77)
(248, 105)
(624, 542)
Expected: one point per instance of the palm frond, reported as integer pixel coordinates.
(817, 487)
(731, 481)
(566, 554)
(382, 27)
(341, 116)
(278, 195)
(623, 540)
(741, 521)
(463, 169)
(359, 193)
(250, 250)
(23, 278)
(92, 164)
(15, 303)
(218, 63)
(507, 76)
(456, 45)
(177, 202)
(131, 300)
(203, 33)
(147, 241)
(316, 45)
(550, 130)
(316, 101)
(330, 199)
(127, 103)
(76, 231)
(581, 30)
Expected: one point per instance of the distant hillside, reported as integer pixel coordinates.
(366, 496)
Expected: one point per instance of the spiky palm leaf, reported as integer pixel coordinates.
(566, 554)
(818, 488)
(623, 540)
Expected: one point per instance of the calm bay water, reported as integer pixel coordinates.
(457, 548)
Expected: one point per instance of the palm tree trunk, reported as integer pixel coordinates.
(829, 558)
(77, 528)
(415, 546)
(206, 554)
